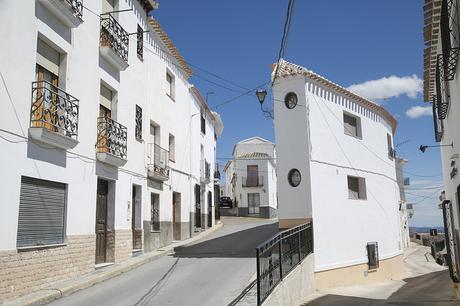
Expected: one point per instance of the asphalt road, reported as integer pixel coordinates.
(433, 289)
(211, 272)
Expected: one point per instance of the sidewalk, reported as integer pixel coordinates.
(63, 288)
(421, 270)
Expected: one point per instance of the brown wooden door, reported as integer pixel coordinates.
(101, 221)
(252, 176)
(44, 113)
(176, 216)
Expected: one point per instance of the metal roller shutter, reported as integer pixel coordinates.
(41, 213)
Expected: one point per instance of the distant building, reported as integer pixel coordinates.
(251, 178)
(336, 167)
(406, 210)
(441, 88)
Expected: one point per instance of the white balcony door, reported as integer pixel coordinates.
(254, 203)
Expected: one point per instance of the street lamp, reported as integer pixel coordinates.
(424, 147)
(261, 94)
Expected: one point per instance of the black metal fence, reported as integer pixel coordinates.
(279, 255)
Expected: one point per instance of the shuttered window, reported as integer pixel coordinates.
(352, 125)
(42, 211)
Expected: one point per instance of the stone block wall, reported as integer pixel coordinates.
(123, 244)
(23, 272)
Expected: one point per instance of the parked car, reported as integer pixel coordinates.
(225, 202)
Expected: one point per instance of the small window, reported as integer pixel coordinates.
(356, 188)
(42, 213)
(172, 148)
(140, 42)
(138, 131)
(203, 122)
(373, 255)
(154, 212)
(170, 85)
(352, 125)
(391, 151)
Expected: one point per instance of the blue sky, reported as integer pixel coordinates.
(348, 42)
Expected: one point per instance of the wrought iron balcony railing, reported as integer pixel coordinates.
(437, 124)
(54, 109)
(449, 24)
(158, 160)
(112, 138)
(114, 36)
(253, 181)
(442, 90)
(76, 6)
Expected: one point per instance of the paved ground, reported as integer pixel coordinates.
(427, 284)
(211, 272)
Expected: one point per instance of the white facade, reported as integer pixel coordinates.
(251, 178)
(405, 209)
(156, 81)
(348, 183)
(442, 90)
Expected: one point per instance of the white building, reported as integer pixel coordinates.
(335, 166)
(442, 89)
(100, 141)
(251, 178)
(406, 210)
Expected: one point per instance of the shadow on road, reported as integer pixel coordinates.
(240, 244)
(434, 289)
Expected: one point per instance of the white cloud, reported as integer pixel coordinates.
(389, 87)
(418, 111)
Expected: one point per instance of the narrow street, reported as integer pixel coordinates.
(210, 272)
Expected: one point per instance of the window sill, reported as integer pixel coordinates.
(171, 97)
(40, 247)
(157, 232)
(140, 140)
(357, 137)
(363, 199)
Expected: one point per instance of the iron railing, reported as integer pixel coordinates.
(114, 36)
(451, 242)
(76, 6)
(442, 90)
(138, 127)
(280, 254)
(112, 137)
(54, 109)
(449, 38)
(140, 42)
(158, 160)
(437, 124)
(253, 181)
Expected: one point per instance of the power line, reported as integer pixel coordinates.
(287, 27)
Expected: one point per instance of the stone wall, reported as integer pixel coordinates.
(27, 271)
(157, 239)
(123, 244)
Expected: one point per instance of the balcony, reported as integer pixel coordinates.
(158, 163)
(253, 181)
(112, 146)
(69, 12)
(53, 116)
(205, 172)
(449, 24)
(114, 42)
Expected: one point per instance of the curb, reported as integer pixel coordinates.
(67, 287)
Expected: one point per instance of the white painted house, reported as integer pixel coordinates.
(406, 210)
(336, 167)
(251, 178)
(442, 89)
(100, 139)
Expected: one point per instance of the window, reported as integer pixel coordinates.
(42, 213)
(356, 188)
(352, 125)
(203, 122)
(391, 151)
(138, 131)
(154, 212)
(140, 42)
(172, 148)
(170, 85)
(373, 255)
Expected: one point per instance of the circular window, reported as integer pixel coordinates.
(294, 177)
(290, 100)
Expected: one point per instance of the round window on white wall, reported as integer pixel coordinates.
(294, 177)
(290, 100)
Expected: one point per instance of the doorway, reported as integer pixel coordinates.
(176, 207)
(254, 203)
(197, 206)
(136, 218)
(101, 221)
(209, 209)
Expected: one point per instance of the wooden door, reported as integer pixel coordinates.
(253, 203)
(44, 110)
(253, 175)
(209, 209)
(176, 216)
(101, 221)
(136, 230)
(103, 136)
